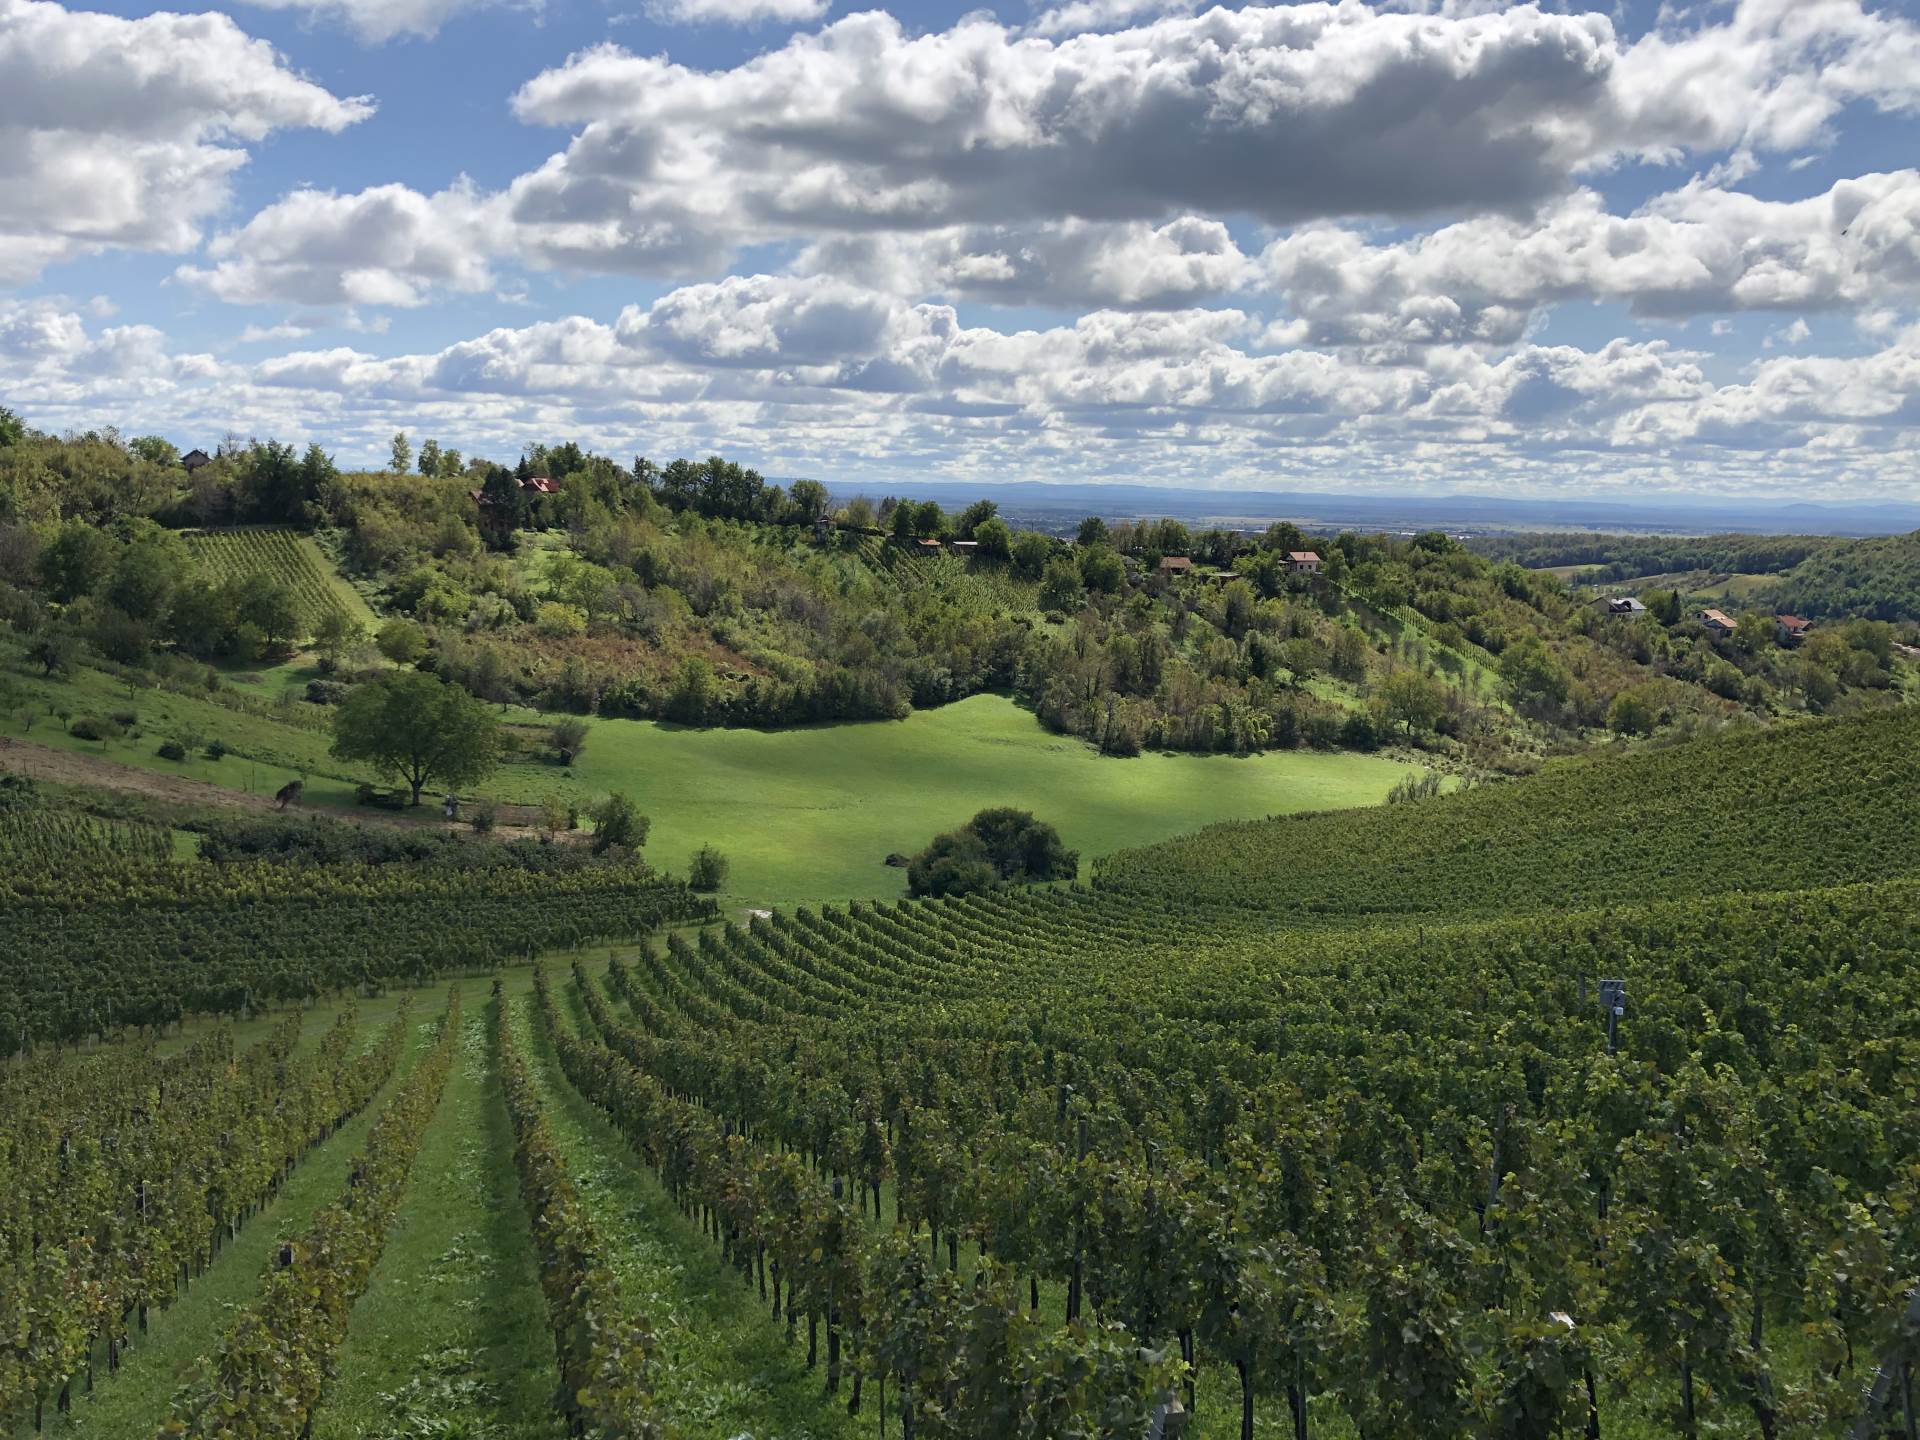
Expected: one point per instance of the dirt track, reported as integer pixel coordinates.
(67, 767)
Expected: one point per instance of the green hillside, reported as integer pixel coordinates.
(1816, 804)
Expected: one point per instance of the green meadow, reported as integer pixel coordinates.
(802, 814)
(811, 814)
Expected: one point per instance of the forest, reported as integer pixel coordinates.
(699, 593)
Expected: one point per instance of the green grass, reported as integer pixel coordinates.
(803, 814)
(811, 814)
(451, 1337)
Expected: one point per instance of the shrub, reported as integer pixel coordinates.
(125, 719)
(216, 749)
(707, 870)
(997, 847)
(326, 692)
(568, 738)
(172, 750)
(93, 727)
(617, 821)
(1423, 786)
(485, 814)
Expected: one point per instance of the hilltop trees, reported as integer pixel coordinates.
(418, 727)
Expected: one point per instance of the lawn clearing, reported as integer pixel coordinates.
(802, 814)
(811, 814)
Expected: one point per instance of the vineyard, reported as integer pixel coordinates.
(1791, 807)
(1579, 1106)
(286, 556)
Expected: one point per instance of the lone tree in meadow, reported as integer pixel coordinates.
(418, 727)
(997, 847)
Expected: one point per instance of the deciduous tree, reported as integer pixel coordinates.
(419, 727)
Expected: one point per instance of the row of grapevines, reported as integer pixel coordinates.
(604, 1356)
(272, 1366)
(1798, 806)
(1422, 1129)
(238, 554)
(119, 1193)
(97, 968)
(964, 1357)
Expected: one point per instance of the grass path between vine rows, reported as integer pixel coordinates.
(723, 1370)
(135, 1402)
(451, 1337)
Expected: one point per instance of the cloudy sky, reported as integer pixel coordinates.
(1425, 245)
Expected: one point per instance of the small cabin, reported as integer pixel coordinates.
(1303, 562)
(1790, 629)
(927, 547)
(1175, 565)
(194, 459)
(1626, 605)
(1717, 622)
(964, 548)
(540, 485)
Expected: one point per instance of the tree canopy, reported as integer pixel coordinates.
(1001, 846)
(418, 727)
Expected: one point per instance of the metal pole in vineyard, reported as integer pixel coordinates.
(1613, 999)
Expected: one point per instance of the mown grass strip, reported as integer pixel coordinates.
(450, 1337)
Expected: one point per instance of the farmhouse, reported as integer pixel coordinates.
(1175, 565)
(1303, 562)
(1717, 622)
(194, 459)
(1791, 629)
(1627, 605)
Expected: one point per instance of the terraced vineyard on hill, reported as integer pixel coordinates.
(1436, 1139)
(287, 556)
(1786, 808)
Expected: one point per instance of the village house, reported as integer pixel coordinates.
(194, 459)
(1175, 565)
(1303, 562)
(1717, 622)
(1790, 629)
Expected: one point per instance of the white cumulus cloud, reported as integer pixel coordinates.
(119, 132)
(389, 245)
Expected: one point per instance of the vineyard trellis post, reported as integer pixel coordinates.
(1895, 1368)
(1613, 1000)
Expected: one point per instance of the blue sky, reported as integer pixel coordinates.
(1425, 245)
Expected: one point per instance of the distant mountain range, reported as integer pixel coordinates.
(1045, 506)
